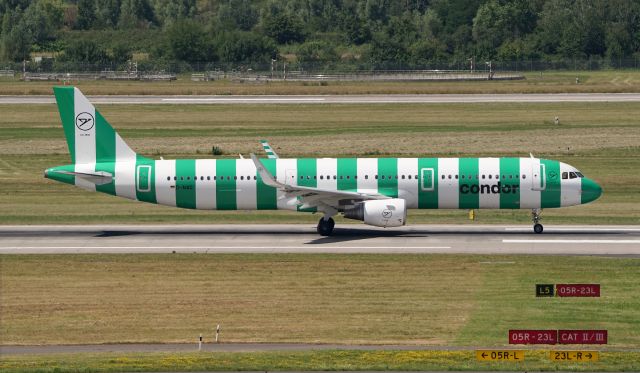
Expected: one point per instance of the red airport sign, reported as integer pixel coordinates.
(533, 337)
(583, 337)
(578, 290)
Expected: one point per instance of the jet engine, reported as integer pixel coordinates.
(379, 213)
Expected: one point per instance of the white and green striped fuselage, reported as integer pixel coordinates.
(377, 191)
(424, 183)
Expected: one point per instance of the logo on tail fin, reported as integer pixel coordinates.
(85, 121)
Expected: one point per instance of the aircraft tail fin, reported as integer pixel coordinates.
(90, 138)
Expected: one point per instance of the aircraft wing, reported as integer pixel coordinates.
(309, 197)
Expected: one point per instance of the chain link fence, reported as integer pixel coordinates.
(470, 69)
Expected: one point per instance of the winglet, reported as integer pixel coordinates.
(268, 149)
(531, 155)
(267, 178)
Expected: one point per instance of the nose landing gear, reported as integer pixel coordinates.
(535, 216)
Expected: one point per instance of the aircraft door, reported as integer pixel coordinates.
(538, 175)
(143, 178)
(426, 179)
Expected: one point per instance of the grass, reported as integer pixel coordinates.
(600, 139)
(460, 300)
(307, 361)
(547, 82)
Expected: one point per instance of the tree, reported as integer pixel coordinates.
(244, 47)
(317, 51)
(169, 11)
(237, 14)
(135, 13)
(86, 14)
(107, 13)
(85, 51)
(284, 28)
(188, 41)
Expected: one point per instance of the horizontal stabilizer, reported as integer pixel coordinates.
(97, 178)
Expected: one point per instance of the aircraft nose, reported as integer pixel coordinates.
(591, 191)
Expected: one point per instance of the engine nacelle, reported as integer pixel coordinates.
(380, 213)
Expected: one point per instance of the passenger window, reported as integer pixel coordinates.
(565, 175)
(376, 177)
(490, 176)
(482, 177)
(463, 177)
(208, 177)
(321, 177)
(524, 176)
(449, 176)
(382, 177)
(241, 177)
(402, 177)
(168, 177)
(366, 177)
(442, 177)
(456, 177)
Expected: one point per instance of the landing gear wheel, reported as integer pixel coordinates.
(325, 227)
(535, 216)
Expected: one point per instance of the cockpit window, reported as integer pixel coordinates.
(565, 175)
(580, 175)
(572, 175)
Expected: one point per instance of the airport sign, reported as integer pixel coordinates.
(582, 337)
(574, 356)
(500, 355)
(578, 290)
(549, 337)
(545, 290)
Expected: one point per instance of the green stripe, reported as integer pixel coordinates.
(550, 196)
(54, 174)
(267, 197)
(150, 183)
(105, 152)
(468, 198)
(347, 167)
(226, 192)
(66, 107)
(105, 140)
(388, 177)
(428, 199)
(510, 183)
(109, 167)
(185, 183)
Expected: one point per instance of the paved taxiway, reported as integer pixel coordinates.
(340, 99)
(302, 238)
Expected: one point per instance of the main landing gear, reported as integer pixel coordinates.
(535, 216)
(325, 226)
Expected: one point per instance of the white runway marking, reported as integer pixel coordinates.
(574, 241)
(240, 99)
(243, 248)
(594, 229)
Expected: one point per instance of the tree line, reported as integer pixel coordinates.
(366, 33)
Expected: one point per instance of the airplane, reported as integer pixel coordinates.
(376, 191)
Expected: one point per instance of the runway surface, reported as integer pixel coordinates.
(347, 239)
(340, 99)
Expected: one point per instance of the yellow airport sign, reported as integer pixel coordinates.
(500, 355)
(574, 356)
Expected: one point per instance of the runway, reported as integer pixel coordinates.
(302, 238)
(339, 99)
